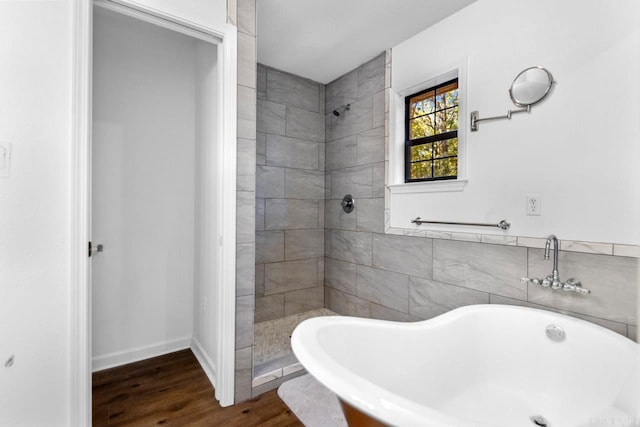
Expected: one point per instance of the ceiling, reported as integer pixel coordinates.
(324, 39)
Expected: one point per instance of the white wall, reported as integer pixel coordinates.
(207, 197)
(579, 150)
(143, 189)
(35, 116)
(209, 13)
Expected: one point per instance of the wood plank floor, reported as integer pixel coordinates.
(173, 390)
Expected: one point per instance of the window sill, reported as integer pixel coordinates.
(428, 187)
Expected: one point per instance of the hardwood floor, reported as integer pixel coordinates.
(173, 390)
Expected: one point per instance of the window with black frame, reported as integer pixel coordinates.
(431, 133)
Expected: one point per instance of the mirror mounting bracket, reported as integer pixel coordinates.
(475, 117)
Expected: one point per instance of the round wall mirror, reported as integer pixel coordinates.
(531, 86)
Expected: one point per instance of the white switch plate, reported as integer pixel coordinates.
(534, 205)
(5, 159)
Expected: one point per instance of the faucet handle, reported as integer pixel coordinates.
(533, 281)
(574, 285)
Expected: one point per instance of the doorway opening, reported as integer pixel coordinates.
(160, 177)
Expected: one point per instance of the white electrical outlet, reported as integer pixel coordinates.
(534, 205)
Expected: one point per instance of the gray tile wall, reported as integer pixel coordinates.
(372, 274)
(242, 14)
(290, 188)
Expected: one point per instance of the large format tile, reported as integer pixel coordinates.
(303, 244)
(261, 148)
(291, 152)
(429, 298)
(358, 119)
(383, 287)
(346, 304)
(304, 124)
(340, 275)
(247, 17)
(246, 157)
(247, 60)
(378, 171)
(290, 276)
(244, 321)
(245, 269)
(245, 217)
(370, 215)
(371, 77)
(342, 153)
(261, 83)
(321, 271)
(495, 269)
(342, 91)
(259, 214)
(269, 182)
(304, 184)
(371, 146)
(269, 246)
(259, 290)
(403, 254)
(243, 368)
(351, 246)
(385, 313)
(246, 112)
(620, 328)
(612, 281)
(379, 107)
(288, 89)
(271, 117)
(289, 214)
(303, 300)
(269, 307)
(356, 181)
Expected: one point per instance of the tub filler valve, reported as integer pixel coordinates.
(553, 280)
(571, 285)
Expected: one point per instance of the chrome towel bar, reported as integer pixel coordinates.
(503, 224)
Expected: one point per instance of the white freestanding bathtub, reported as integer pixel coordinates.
(477, 366)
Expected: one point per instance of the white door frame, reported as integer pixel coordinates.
(225, 37)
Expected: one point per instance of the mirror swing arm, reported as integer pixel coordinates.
(475, 117)
(529, 87)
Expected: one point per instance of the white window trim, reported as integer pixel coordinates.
(396, 184)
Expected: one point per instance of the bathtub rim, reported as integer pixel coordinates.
(376, 401)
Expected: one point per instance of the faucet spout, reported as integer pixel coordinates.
(547, 247)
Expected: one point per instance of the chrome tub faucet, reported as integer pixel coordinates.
(553, 280)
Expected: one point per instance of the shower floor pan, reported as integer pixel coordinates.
(272, 355)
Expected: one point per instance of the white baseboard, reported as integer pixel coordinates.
(208, 366)
(111, 360)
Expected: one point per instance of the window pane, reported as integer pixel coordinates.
(421, 152)
(452, 118)
(445, 167)
(445, 148)
(451, 98)
(422, 104)
(440, 102)
(422, 126)
(420, 170)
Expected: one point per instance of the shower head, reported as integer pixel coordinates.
(341, 110)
